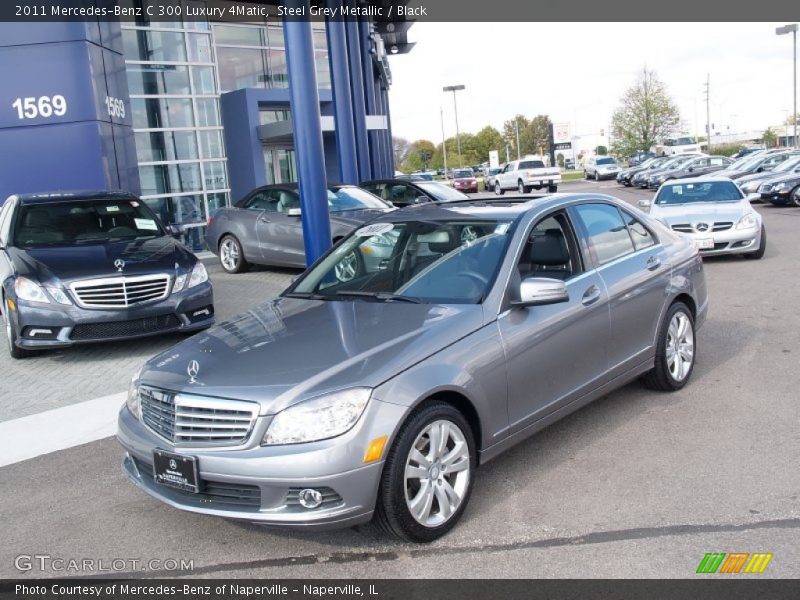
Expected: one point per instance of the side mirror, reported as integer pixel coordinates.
(294, 212)
(644, 203)
(537, 291)
(420, 199)
(173, 230)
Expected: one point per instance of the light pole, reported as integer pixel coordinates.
(444, 142)
(516, 123)
(454, 89)
(793, 30)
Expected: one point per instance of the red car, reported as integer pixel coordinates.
(464, 180)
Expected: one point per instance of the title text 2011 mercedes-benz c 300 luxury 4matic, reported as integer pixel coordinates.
(378, 397)
(94, 266)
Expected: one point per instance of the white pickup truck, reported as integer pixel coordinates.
(527, 174)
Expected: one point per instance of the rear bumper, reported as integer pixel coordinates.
(190, 310)
(543, 181)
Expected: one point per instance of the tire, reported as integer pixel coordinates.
(596, 176)
(392, 512)
(762, 248)
(12, 335)
(794, 197)
(585, 174)
(661, 377)
(522, 188)
(231, 255)
(552, 189)
(498, 191)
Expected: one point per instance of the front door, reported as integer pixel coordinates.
(280, 235)
(555, 353)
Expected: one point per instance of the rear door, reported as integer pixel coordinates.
(635, 270)
(555, 353)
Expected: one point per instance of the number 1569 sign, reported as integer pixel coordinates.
(43, 106)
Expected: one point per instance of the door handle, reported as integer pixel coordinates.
(263, 220)
(653, 263)
(591, 295)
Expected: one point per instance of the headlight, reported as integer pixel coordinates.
(750, 187)
(59, 295)
(199, 275)
(132, 401)
(747, 222)
(28, 290)
(318, 419)
(780, 187)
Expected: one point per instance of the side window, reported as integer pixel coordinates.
(642, 238)
(5, 221)
(402, 194)
(716, 161)
(608, 235)
(551, 250)
(282, 200)
(258, 201)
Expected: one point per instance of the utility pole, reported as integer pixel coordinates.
(793, 30)
(444, 141)
(708, 112)
(454, 89)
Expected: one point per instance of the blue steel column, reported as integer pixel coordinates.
(365, 28)
(357, 84)
(342, 101)
(307, 126)
(390, 166)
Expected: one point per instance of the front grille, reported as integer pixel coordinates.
(683, 228)
(122, 329)
(196, 420)
(216, 492)
(329, 498)
(722, 225)
(120, 292)
(687, 227)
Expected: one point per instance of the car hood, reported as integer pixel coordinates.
(288, 350)
(708, 212)
(70, 263)
(774, 178)
(358, 216)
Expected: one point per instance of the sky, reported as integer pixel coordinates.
(577, 73)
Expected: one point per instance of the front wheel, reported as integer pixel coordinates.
(596, 176)
(12, 336)
(762, 247)
(231, 255)
(498, 191)
(675, 351)
(428, 475)
(794, 197)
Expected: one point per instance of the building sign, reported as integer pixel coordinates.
(494, 159)
(564, 146)
(561, 133)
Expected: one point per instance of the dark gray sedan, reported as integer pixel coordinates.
(378, 397)
(92, 266)
(265, 227)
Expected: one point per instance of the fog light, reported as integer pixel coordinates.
(309, 498)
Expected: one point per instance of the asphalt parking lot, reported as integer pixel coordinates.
(638, 484)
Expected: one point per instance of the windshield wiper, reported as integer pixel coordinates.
(307, 296)
(382, 296)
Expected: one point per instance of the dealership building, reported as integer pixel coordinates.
(189, 114)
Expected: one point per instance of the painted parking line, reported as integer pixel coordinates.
(59, 429)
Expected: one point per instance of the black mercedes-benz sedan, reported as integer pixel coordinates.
(80, 267)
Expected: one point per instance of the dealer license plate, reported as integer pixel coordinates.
(176, 470)
(703, 243)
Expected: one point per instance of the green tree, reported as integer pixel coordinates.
(486, 140)
(535, 138)
(769, 137)
(419, 155)
(646, 114)
(510, 127)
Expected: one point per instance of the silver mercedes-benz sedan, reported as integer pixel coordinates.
(713, 212)
(377, 398)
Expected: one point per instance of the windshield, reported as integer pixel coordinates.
(451, 262)
(743, 163)
(606, 161)
(787, 165)
(441, 192)
(353, 198)
(463, 174)
(77, 221)
(682, 141)
(676, 163)
(689, 193)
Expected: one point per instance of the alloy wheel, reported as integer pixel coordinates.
(520, 188)
(7, 321)
(347, 268)
(229, 254)
(437, 473)
(680, 346)
(469, 234)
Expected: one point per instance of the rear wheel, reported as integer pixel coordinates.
(552, 189)
(12, 336)
(762, 247)
(427, 478)
(521, 188)
(675, 351)
(231, 255)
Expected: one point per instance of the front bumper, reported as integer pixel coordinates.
(190, 310)
(466, 187)
(272, 474)
(607, 174)
(732, 241)
(778, 198)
